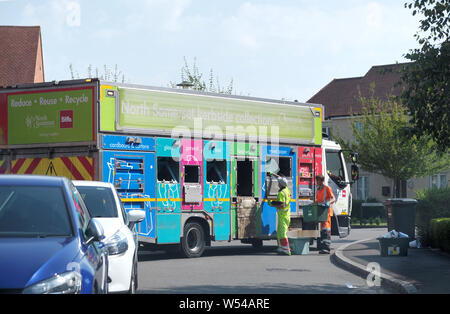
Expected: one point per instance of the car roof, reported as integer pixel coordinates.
(92, 183)
(20, 179)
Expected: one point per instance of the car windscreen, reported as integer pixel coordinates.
(99, 201)
(33, 211)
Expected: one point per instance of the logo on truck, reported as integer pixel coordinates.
(66, 119)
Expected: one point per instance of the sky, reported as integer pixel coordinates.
(278, 49)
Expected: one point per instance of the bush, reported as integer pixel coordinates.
(440, 233)
(378, 221)
(433, 203)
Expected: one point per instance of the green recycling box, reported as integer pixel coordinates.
(315, 213)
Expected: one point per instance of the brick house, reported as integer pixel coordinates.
(340, 99)
(21, 58)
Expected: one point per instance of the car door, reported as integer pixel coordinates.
(92, 259)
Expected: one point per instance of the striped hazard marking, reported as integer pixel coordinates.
(3, 166)
(74, 168)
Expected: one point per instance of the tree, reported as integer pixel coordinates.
(427, 78)
(192, 75)
(383, 148)
(112, 75)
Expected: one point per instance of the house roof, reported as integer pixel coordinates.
(340, 96)
(20, 48)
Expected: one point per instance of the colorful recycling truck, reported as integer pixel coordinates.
(197, 163)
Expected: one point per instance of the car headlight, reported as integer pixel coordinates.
(65, 283)
(117, 244)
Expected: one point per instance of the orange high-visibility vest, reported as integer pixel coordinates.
(324, 195)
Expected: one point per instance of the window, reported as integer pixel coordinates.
(282, 167)
(244, 180)
(30, 211)
(360, 127)
(99, 201)
(82, 212)
(438, 181)
(362, 188)
(191, 174)
(285, 167)
(327, 130)
(216, 171)
(335, 165)
(168, 170)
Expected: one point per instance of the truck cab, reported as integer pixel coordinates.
(337, 178)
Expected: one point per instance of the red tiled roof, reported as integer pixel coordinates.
(19, 52)
(340, 96)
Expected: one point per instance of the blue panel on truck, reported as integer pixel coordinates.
(132, 143)
(168, 147)
(169, 228)
(216, 176)
(268, 215)
(133, 175)
(222, 226)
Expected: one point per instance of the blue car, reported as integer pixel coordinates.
(48, 241)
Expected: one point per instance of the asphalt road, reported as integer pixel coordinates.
(235, 268)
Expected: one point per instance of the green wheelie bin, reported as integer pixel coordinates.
(401, 215)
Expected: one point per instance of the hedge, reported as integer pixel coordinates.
(440, 233)
(433, 203)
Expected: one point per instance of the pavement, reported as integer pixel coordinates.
(423, 270)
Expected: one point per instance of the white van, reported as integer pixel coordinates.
(121, 240)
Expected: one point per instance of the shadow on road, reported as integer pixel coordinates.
(214, 251)
(266, 289)
(145, 254)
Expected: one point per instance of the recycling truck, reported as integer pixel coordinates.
(197, 163)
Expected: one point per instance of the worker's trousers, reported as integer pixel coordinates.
(324, 243)
(284, 220)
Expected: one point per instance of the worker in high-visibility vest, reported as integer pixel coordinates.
(325, 197)
(284, 215)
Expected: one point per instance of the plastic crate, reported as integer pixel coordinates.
(299, 246)
(315, 213)
(394, 246)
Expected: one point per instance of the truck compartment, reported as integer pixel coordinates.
(244, 185)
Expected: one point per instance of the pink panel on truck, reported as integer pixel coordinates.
(191, 155)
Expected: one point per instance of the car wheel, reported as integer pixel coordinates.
(193, 241)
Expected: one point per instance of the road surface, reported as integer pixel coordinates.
(235, 268)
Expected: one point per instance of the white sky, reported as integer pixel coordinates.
(271, 48)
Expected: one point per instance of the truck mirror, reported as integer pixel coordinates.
(354, 157)
(355, 172)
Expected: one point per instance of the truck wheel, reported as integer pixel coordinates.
(257, 243)
(193, 241)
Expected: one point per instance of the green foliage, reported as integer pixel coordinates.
(378, 221)
(108, 74)
(432, 203)
(440, 233)
(384, 147)
(192, 75)
(427, 78)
